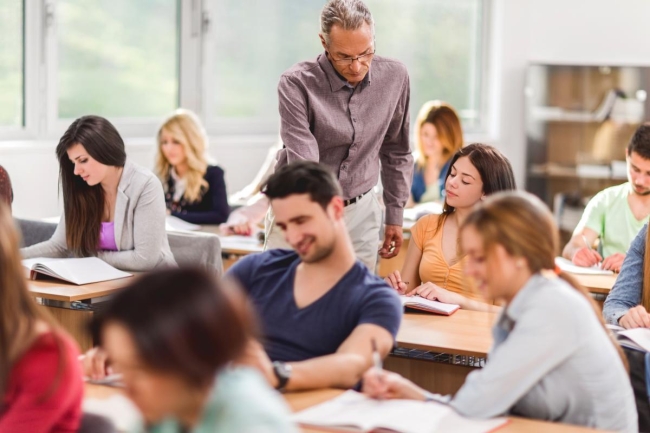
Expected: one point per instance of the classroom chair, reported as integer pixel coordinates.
(34, 231)
(197, 249)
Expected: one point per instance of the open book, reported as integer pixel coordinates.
(77, 271)
(424, 304)
(568, 266)
(352, 411)
(636, 338)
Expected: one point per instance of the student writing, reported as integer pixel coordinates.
(552, 357)
(172, 334)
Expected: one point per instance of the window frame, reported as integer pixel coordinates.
(195, 69)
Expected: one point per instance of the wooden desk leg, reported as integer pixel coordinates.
(432, 376)
(75, 322)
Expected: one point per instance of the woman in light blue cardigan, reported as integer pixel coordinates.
(113, 208)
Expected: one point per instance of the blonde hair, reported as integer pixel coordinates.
(524, 227)
(450, 133)
(19, 312)
(186, 128)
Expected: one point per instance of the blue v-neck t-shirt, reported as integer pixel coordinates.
(293, 334)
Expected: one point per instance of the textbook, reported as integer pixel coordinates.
(353, 411)
(424, 304)
(77, 271)
(636, 338)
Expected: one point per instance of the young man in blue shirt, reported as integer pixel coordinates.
(320, 308)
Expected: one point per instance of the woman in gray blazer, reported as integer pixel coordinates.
(113, 208)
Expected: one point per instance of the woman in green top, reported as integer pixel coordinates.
(171, 334)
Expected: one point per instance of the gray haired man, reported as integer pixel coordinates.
(349, 110)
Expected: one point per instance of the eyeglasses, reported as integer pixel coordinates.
(364, 59)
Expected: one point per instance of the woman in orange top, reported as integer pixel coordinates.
(433, 267)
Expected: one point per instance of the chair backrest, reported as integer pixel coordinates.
(197, 249)
(35, 231)
(93, 423)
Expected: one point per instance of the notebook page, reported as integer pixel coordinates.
(119, 409)
(85, 270)
(433, 305)
(406, 416)
(568, 266)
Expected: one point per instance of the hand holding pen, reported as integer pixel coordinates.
(586, 256)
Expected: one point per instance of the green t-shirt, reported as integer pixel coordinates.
(241, 402)
(608, 214)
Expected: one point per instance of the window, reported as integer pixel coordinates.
(440, 41)
(11, 63)
(117, 58)
(136, 61)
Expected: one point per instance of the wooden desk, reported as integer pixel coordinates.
(298, 401)
(71, 305)
(466, 335)
(600, 284)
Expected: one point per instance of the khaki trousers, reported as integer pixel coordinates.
(362, 219)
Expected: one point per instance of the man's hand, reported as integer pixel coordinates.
(392, 241)
(636, 317)
(614, 262)
(586, 257)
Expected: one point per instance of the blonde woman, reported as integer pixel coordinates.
(194, 190)
(41, 389)
(438, 135)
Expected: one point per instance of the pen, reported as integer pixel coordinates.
(584, 239)
(376, 357)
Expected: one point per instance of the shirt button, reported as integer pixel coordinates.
(344, 167)
(354, 119)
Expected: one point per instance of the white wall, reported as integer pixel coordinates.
(555, 31)
(523, 31)
(33, 168)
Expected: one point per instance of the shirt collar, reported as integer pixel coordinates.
(515, 308)
(337, 82)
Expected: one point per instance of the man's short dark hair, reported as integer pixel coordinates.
(303, 177)
(640, 142)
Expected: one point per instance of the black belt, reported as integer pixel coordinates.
(353, 200)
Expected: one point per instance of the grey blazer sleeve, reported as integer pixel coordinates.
(55, 247)
(149, 235)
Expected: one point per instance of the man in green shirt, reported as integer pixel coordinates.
(616, 214)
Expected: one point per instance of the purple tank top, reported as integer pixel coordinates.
(107, 237)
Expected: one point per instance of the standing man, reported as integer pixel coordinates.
(349, 110)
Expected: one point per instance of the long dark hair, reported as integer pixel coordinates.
(83, 204)
(494, 168)
(181, 322)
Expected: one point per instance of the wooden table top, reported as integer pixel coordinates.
(463, 333)
(298, 401)
(58, 290)
(596, 283)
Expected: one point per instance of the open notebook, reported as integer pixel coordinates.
(424, 304)
(568, 266)
(352, 411)
(77, 271)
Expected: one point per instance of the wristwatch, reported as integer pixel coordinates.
(282, 371)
